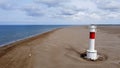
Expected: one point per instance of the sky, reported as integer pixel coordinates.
(46, 12)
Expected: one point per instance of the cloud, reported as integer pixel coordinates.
(35, 10)
(6, 6)
(50, 3)
(59, 8)
(111, 5)
(69, 9)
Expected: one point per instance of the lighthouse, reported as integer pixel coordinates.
(91, 52)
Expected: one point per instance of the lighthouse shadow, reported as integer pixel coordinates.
(73, 53)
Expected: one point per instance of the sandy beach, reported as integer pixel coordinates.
(61, 48)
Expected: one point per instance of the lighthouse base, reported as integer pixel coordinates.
(92, 55)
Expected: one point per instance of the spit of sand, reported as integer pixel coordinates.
(61, 48)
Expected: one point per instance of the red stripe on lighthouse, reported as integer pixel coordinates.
(92, 35)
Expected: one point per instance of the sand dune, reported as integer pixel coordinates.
(61, 48)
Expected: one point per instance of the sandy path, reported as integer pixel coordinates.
(61, 49)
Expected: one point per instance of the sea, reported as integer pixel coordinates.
(11, 33)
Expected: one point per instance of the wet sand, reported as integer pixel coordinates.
(61, 48)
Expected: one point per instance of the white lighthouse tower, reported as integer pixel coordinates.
(91, 52)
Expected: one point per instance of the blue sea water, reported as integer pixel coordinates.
(10, 33)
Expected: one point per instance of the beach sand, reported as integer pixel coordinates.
(61, 48)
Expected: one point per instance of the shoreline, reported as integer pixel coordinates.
(29, 37)
(8, 43)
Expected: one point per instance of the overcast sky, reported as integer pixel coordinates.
(59, 11)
